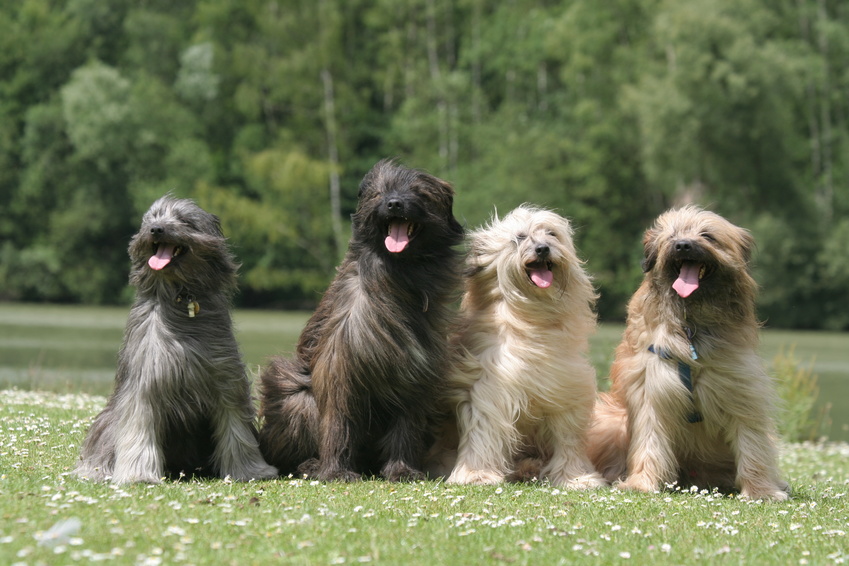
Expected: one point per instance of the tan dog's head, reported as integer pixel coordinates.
(528, 254)
(696, 254)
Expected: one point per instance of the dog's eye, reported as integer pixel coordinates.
(708, 237)
(520, 237)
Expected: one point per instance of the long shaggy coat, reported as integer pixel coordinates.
(361, 393)
(522, 387)
(181, 402)
(690, 401)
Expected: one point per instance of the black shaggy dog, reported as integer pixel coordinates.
(182, 399)
(361, 393)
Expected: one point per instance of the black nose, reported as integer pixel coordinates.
(157, 230)
(684, 246)
(394, 205)
(542, 250)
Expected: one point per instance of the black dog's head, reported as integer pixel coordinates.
(697, 253)
(403, 213)
(179, 244)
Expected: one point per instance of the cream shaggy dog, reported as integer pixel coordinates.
(689, 399)
(522, 385)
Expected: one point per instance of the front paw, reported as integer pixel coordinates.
(640, 482)
(586, 481)
(120, 478)
(312, 468)
(92, 473)
(339, 475)
(766, 493)
(465, 475)
(399, 471)
(258, 471)
(309, 468)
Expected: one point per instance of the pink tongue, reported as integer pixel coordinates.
(161, 258)
(688, 279)
(397, 239)
(542, 278)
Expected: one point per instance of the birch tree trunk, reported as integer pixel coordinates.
(333, 157)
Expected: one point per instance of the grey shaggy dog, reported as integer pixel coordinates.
(361, 394)
(181, 403)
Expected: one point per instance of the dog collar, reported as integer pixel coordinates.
(684, 374)
(192, 306)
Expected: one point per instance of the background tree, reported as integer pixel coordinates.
(269, 113)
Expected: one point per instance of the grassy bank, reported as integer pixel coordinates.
(302, 522)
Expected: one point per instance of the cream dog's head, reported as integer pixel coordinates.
(527, 255)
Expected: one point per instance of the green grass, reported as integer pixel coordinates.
(302, 522)
(69, 350)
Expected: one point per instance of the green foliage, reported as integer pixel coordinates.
(609, 112)
(280, 226)
(94, 105)
(799, 389)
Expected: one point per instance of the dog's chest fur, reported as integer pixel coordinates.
(172, 354)
(390, 344)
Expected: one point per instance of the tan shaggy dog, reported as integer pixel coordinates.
(690, 400)
(522, 386)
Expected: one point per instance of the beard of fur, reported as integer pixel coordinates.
(640, 433)
(362, 390)
(181, 389)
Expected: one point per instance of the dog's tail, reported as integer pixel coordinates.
(607, 439)
(289, 433)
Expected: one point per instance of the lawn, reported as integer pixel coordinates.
(51, 517)
(293, 521)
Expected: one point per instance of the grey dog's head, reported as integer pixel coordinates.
(181, 246)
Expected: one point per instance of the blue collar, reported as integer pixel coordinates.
(684, 374)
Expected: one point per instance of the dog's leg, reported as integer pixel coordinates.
(651, 459)
(236, 447)
(569, 466)
(138, 453)
(98, 451)
(236, 452)
(756, 458)
(403, 448)
(337, 449)
(488, 438)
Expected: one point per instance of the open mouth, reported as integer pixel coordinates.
(690, 276)
(399, 234)
(540, 273)
(163, 254)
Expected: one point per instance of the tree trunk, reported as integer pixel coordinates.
(333, 157)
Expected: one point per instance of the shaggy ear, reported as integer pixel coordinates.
(474, 261)
(747, 245)
(216, 225)
(472, 271)
(650, 250)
